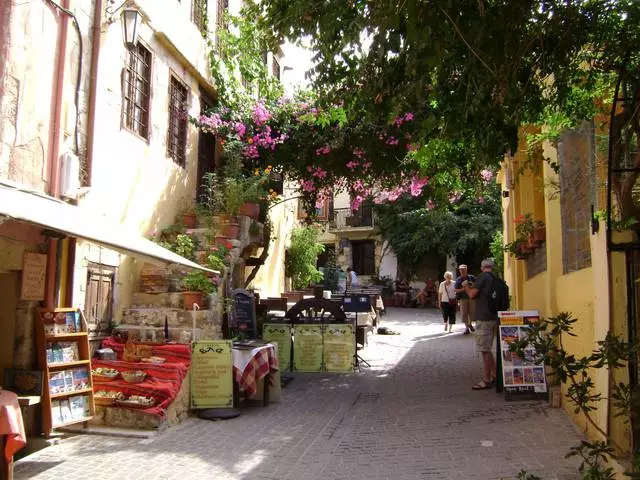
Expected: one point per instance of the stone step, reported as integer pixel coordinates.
(155, 317)
(147, 300)
(183, 334)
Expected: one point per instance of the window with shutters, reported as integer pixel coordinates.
(137, 91)
(275, 68)
(221, 8)
(98, 306)
(177, 134)
(576, 155)
(199, 14)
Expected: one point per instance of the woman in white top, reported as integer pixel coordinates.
(447, 300)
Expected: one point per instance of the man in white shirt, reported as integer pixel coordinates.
(352, 278)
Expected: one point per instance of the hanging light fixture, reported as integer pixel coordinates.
(130, 22)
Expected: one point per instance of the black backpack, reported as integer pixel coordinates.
(498, 300)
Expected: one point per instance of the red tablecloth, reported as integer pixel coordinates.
(163, 381)
(249, 366)
(11, 424)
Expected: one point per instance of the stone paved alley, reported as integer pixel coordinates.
(412, 415)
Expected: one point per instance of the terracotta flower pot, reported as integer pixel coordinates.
(190, 220)
(250, 209)
(189, 298)
(231, 230)
(540, 235)
(221, 240)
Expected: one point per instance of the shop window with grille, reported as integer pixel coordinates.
(137, 91)
(576, 155)
(221, 8)
(98, 306)
(199, 14)
(177, 134)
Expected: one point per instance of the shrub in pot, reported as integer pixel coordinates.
(198, 284)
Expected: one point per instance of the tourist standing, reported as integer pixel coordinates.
(467, 305)
(352, 278)
(447, 301)
(486, 323)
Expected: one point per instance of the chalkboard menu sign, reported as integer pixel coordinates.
(244, 312)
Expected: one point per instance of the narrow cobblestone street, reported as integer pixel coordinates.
(412, 415)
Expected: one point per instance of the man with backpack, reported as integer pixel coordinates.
(491, 295)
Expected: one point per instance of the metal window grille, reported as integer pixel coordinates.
(275, 68)
(137, 91)
(221, 8)
(537, 262)
(199, 14)
(575, 151)
(177, 134)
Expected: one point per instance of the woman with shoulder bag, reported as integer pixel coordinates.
(447, 301)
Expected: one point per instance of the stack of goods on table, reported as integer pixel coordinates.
(143, 376)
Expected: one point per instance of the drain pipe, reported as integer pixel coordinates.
(54, 161)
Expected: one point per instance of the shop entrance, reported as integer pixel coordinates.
(9, 295)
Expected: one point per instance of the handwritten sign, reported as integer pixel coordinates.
(33, 276)
(339, 348)
(244, 312)
(307, 349)
(280, 334)
(211, 374)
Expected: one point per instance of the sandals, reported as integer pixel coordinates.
(482, 385)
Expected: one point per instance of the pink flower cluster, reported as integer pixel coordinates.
(399, 120)
(324, 150)
(486, 175)
(317, 172)
(260, 114)
(413, 186)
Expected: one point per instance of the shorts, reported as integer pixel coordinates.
(485, 335)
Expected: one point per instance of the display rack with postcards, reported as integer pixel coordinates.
(63, 351)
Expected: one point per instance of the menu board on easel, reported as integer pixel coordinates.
(523, 376)
(211, 374)
(280, 334)
(339, 348)
(307, 348)
(244, 313)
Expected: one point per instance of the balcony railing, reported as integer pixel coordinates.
(345, 218)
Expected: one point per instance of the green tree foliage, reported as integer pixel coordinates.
(465, 228)
(471, 70)
(302, 257)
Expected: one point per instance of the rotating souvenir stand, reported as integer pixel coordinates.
(357, 304)
(64, 358)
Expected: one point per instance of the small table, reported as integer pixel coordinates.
(12, 436)
(251, 365)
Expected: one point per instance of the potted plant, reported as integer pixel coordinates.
(188, 212)
(197, 284)
(539, 232)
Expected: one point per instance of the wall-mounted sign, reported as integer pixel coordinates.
(33, 276)
(211, 374)
(523, 376)
(280, 334)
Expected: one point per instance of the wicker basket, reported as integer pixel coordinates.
(103, 378)
(104, 401)
(132, 377)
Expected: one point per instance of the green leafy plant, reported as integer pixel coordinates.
(302, 256)
(575, 372)
(198, 281)
(218, 259)
(185, 245)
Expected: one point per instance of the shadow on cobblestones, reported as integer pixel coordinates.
(412, 415)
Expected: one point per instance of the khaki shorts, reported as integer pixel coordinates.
(485, 335)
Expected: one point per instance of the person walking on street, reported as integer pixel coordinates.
(352, 278)
(486, 323)
(467, 305)
(447, 301)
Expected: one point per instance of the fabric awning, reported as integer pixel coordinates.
(53, 214)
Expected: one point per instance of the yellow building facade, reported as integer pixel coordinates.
(564, 185)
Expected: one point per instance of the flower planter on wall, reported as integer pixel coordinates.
(190, 220)
(231, 230)
(250, 209)
(539, 235)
